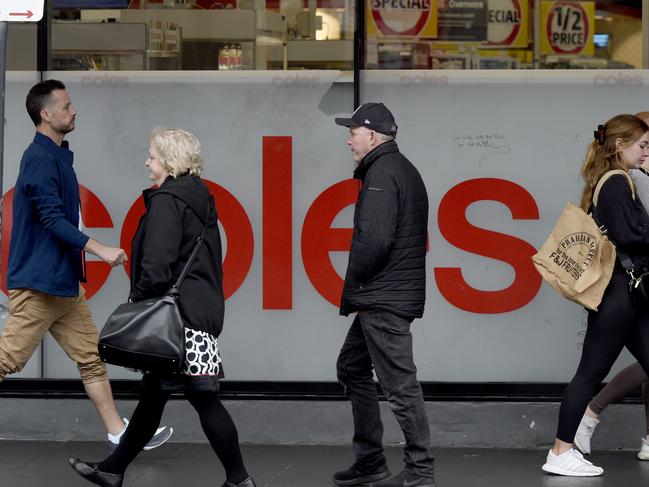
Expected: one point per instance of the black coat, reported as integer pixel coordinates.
(164, 240)
(387, 261)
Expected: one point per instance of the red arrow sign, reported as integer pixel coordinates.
(27, 14)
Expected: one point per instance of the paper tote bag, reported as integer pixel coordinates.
(577, 259)
(145, 335)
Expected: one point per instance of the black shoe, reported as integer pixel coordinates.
(91, 473)
(246, 483)
(356, 475)
(405, 479)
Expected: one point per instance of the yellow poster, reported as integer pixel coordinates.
(567, 28)
(507, 25)
(401, 18)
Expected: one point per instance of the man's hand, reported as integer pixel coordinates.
(111, 255)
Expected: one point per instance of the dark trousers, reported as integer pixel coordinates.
(619, 322)
(382, 340)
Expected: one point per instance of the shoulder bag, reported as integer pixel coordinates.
(577, 259)
(148, 334)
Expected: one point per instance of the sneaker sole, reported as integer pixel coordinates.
(365, 480)
(567, 473)
(159, 441)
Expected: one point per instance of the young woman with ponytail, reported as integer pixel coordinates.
(621, 143)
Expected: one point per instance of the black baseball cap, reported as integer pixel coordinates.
(374, 116)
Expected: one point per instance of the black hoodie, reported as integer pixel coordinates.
(166, 235)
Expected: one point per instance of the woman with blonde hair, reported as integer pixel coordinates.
(178, 211)
(621, 143)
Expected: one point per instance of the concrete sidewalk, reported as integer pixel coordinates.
(44, 464)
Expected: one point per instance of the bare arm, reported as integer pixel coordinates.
(111, 255)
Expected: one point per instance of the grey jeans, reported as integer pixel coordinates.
(382, 340)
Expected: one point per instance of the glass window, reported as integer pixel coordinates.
(21, 47)
(201, 34)
(503, 34)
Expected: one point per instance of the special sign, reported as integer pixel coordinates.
(507, 23)
(568, 28)
(402, 18)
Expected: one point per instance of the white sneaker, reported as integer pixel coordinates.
(161, 435)
(572, 464)
(584, 433)
(643, 454)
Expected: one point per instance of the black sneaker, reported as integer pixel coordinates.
(405, 479)
(356, 475)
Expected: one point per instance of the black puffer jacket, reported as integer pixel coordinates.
(163, 242)
(387, 261)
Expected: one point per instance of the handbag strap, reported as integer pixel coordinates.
(605, 177)
(199, 242)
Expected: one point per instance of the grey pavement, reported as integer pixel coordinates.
(40, 463)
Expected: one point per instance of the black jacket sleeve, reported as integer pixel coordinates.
(375, 226)
(160, 248)
(621, 216)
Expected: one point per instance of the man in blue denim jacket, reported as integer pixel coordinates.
(46, 261)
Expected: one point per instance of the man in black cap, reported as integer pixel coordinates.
(386, 286)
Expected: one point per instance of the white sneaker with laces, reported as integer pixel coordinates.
(571, 463)
(584, 433)
(161, 435)
(643, 454)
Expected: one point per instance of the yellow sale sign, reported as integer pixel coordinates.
(507, 23)
(401, 18)
(567, 27)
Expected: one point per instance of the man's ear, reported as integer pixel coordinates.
(45, 114)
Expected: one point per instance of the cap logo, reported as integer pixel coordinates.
(368, 122)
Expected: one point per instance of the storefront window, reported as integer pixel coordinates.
(503, 34)
(222, 35)
(21, 47)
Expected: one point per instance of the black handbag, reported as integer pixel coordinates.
(638, 285)
(148, 334)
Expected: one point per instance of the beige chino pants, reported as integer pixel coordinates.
(32, 314)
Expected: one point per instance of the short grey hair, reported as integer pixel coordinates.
(180, 151)
(385, 137)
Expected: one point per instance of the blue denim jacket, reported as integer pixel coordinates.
(46, 244)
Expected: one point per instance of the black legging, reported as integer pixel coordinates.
(617, 323)
(215, 420)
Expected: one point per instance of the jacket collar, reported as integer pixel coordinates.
(42, 139)
(62, 151)
(147, 194)
(373, 155)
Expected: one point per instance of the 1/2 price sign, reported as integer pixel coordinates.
(567, 27)
(21, 10)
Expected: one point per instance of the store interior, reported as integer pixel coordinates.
(229, 35)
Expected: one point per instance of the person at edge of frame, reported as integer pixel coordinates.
(622, 143)
(631, 376)
(46, 259)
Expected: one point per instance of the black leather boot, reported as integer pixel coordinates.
(91, 473)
